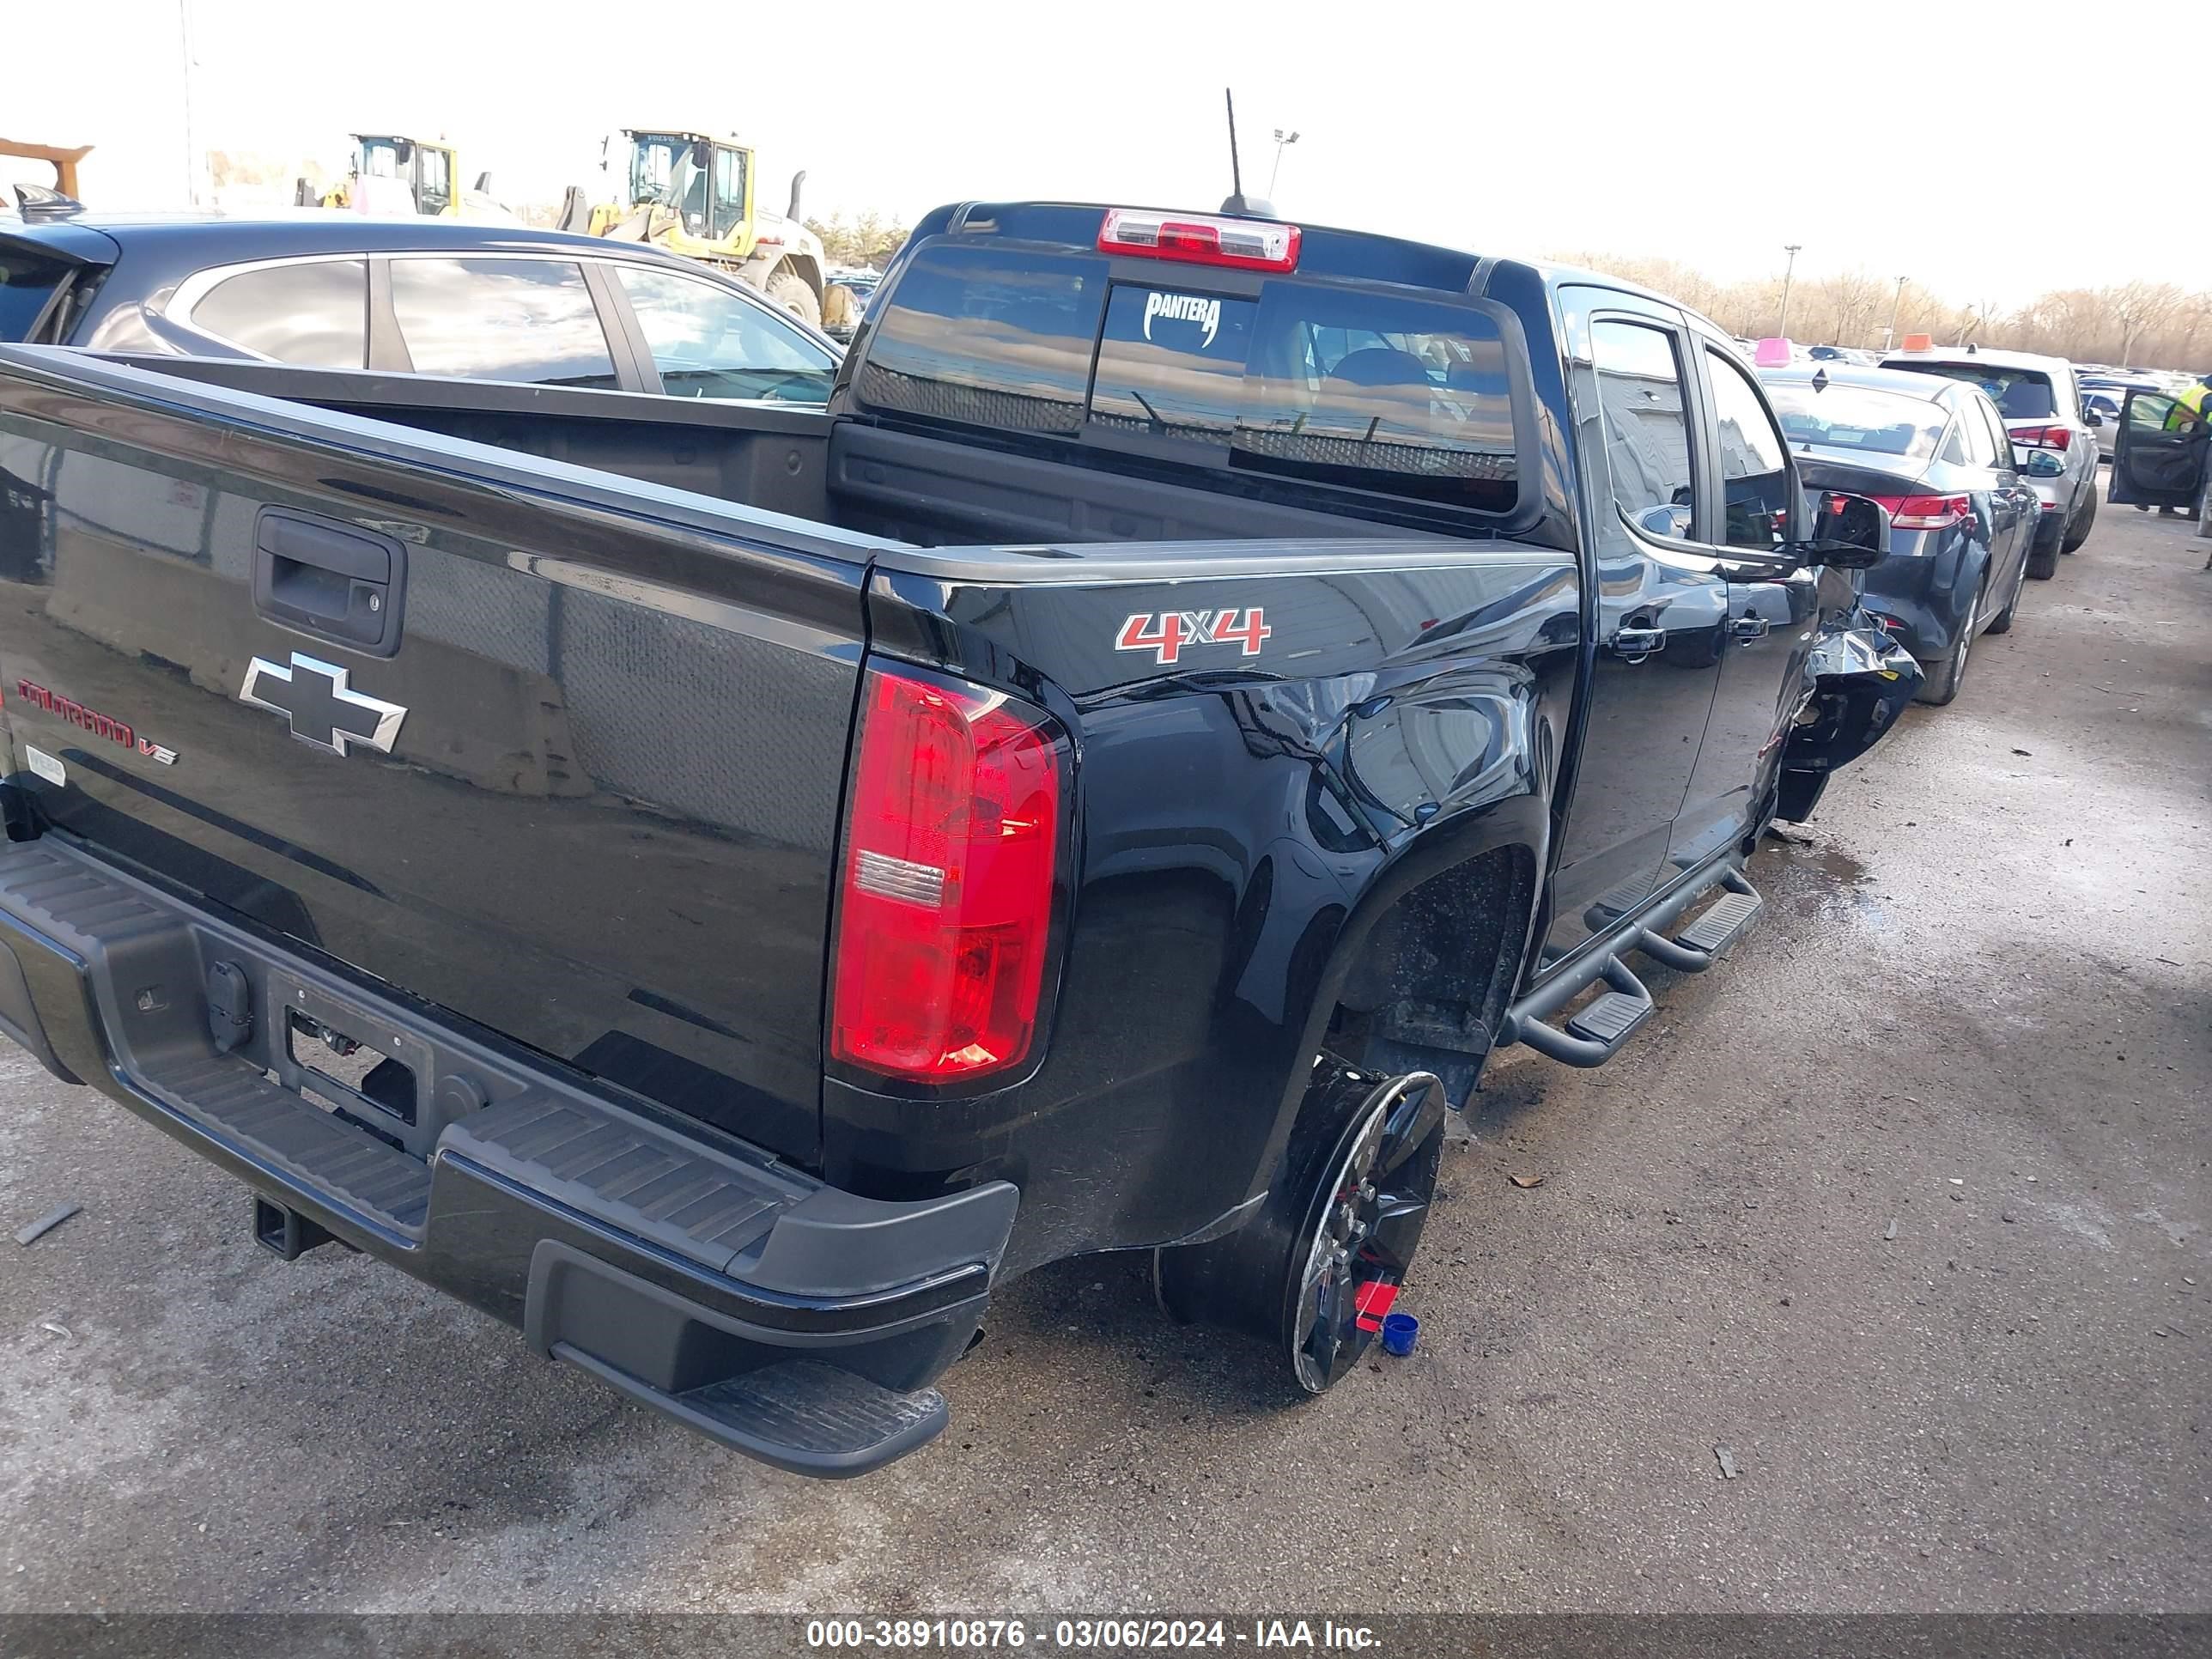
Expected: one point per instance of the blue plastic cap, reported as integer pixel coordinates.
(1400, 1333)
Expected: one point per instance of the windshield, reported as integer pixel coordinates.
(664, 169)
(2021, 394)
(1859, 417)
(379, 158)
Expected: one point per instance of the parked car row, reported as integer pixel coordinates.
(1934, 451)
(1987, 463)
(2054, 438)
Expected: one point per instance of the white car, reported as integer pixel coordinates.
(2055, 439)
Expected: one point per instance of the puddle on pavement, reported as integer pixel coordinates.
(1826, 883)
(1839, 864)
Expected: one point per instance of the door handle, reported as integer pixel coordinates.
(330, 579)
(1748, 628)
(1635, 644)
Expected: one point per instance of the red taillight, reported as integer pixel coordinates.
(945, 907)
(2044, 437)
(1239, 243)
(1926, 512)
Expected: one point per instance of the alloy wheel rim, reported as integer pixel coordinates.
(1364, 1238)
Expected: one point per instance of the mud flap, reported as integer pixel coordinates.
(1861, 681)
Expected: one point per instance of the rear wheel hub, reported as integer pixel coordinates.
(1367, 1215)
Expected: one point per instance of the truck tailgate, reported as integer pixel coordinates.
(554, 751)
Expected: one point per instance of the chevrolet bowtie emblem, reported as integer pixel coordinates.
(323, 709)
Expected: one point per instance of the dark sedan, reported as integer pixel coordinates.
(1935, 454)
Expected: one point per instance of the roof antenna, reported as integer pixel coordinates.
(1237, 201)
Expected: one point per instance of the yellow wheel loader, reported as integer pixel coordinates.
(392, 176)
(693, 194)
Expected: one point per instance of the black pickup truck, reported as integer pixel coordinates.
(722, 886)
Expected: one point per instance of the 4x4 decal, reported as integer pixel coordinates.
(1165, 633)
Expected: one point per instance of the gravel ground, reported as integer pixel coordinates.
(1905, 1207)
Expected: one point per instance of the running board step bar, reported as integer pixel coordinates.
(1698, 945)
(1599, 1030)
(1596, 1031)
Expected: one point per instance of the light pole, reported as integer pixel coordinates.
(192, 145)
(1889, 334)
(1788, 270)
(1283, 142)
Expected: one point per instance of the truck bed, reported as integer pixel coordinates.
(804, 463)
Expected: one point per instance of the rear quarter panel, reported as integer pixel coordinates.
(1237, 816)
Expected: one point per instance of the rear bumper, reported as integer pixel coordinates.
(791, 1322)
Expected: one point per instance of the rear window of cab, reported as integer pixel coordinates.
(1397, 393)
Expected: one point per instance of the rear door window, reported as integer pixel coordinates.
(501, 319)
(312, 315)
(2154, 412)
(1995, 445)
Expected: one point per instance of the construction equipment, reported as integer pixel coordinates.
(692, 194)
(392, 175)
(62, 160)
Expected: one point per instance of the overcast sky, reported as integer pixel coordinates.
(1988, 150)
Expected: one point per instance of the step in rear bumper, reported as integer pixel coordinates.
(701, 1276)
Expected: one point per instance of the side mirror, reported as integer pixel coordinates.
(1849, 532)
(702, 155)
(2091, 418)
(2042, 463)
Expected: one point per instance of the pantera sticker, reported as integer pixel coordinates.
(1165, 633)
(1183, 308)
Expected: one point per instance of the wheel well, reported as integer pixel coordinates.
(1432, 977)
(803, 267)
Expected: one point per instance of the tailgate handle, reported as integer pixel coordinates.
(333, 580)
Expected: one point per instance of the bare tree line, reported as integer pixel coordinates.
(2146, 325)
